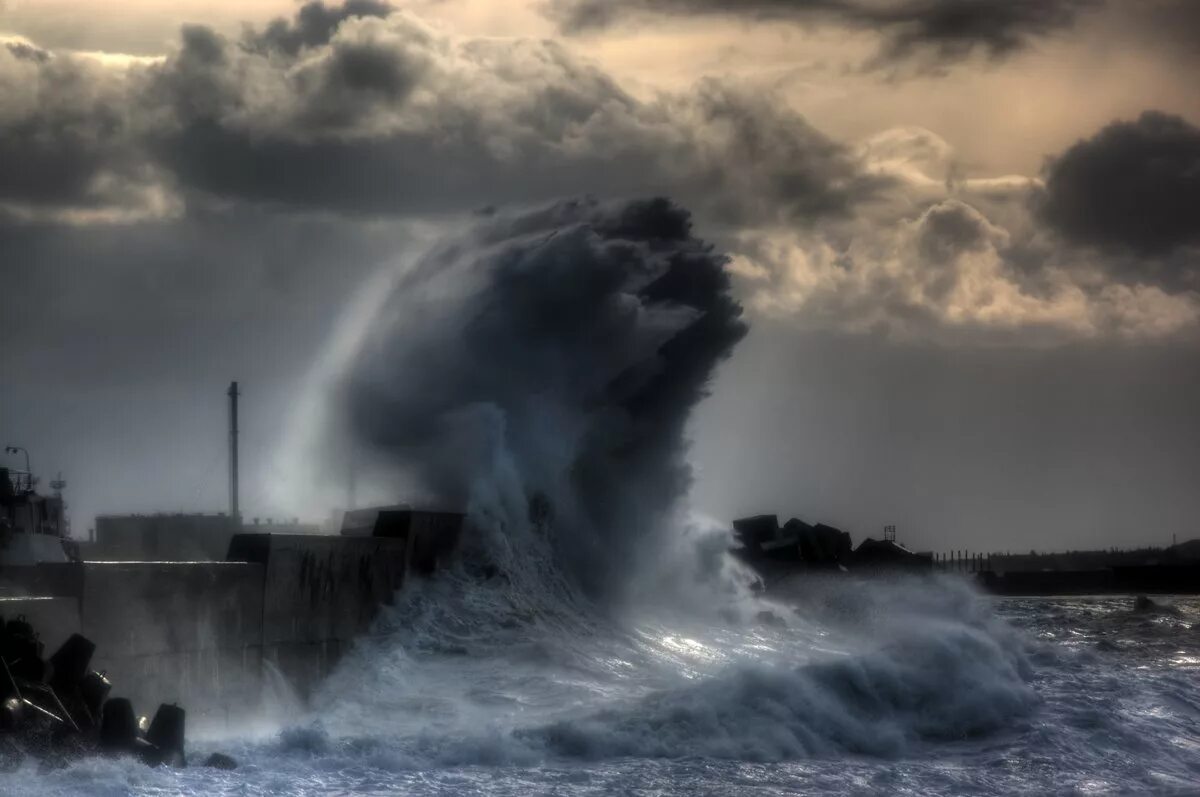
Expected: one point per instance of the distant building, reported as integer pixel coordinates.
(272, 526)
(161, 537)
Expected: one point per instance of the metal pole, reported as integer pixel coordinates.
(234, 512)
(350, 478)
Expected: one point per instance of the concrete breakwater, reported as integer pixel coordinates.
(210, 635)
(781, 553)
(1158, 579)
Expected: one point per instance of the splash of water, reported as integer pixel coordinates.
(539, 371)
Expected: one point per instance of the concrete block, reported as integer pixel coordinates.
(53, 619)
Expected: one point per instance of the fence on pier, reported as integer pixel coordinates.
(962, 561)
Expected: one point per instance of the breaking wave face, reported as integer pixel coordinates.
(539, 372)
(936, 680)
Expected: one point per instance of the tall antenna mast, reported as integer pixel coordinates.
(350, 477)
(234, 512)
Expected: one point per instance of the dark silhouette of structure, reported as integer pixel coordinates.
(797, 546)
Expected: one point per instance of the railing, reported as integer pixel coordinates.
(962, 562)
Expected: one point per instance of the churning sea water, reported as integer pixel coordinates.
(899, 688)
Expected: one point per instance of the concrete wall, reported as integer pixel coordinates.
(183, 632)
(187, 633)
(159, 538)
(206, 634)
(320, 593)
(431, 536)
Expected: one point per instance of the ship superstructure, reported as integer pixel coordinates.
(33, 527)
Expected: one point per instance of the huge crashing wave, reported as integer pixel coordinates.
(538, 371)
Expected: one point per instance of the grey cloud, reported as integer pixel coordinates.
(953, 29)
(950, 273)
(27, 51)
(314, 25)
(1062, 261)
(950, 229)
(941, 31)
(1134, 185)
(389, 117)
(66, 138)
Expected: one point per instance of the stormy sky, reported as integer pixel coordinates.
(966, 234)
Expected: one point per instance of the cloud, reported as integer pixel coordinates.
(314, 25)
(360, 110)
(1132, 187)
(952, 257)
(937, 32)
(392, 116)
(22, 48)
(68, 144)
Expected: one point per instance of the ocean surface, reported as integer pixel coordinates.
(471, 687)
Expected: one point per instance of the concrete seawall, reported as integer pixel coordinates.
(174, 632)
(206, 634)
(318, 595)
(1179, 579)
(187, 633)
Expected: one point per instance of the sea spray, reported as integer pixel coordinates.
(538, 371)
(920, 660)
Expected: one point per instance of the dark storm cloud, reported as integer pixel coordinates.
(1133, 185)
(943, 30)
(314, 25)
(69, 146)
(392, 118)
(389, 116)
